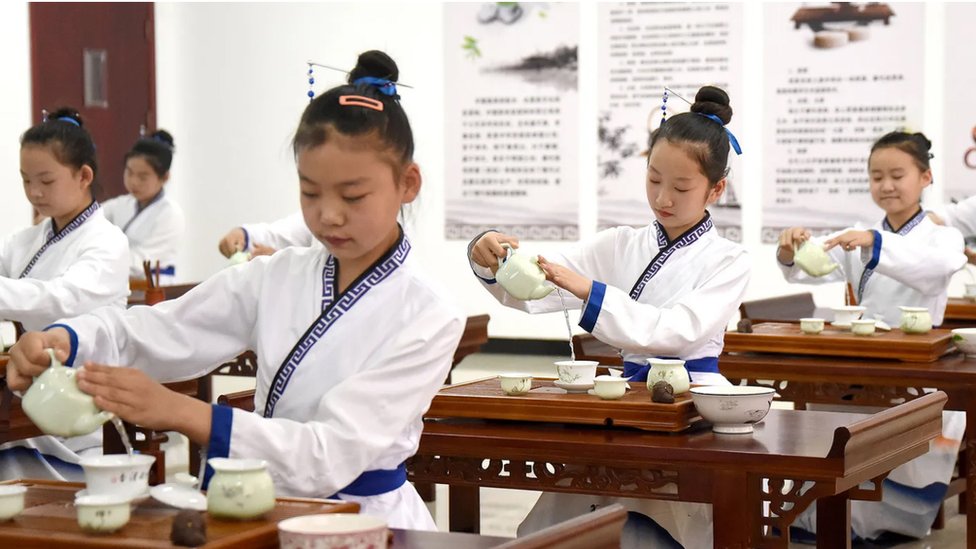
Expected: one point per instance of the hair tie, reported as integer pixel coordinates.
(163, 141)
(69, 119)
(360, 101)
(732, 140)
(385, 86)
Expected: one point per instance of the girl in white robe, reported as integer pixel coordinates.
(153, 222)
(352, 339)
(667, 289)
(904, 259)
(266, 238)
(70, 263)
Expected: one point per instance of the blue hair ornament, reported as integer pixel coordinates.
(385, 86)
(69, 120)
(732, 140)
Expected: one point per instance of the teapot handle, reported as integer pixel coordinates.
(502, 260)
(55, 363)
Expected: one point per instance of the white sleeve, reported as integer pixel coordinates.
(96, 278)
(614, 318)
(162, 244)
(925, 268)
(178, 339)
(285, 232)
(358, 419)
(110, 209)
(962, 215)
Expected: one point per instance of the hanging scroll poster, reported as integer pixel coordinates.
(644, 47)
(837, 77)
(958, 146)
(511, 105)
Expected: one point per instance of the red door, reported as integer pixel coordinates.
(100, 59)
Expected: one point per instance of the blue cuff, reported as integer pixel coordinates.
(247, 240)
(73, 335)
(221, 421)
(594, 304)
(875, 251)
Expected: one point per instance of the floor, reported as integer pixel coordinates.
(503, 510)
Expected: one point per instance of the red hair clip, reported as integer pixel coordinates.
(360, 101)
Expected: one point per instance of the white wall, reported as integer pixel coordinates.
(231, 86)
(15, 115)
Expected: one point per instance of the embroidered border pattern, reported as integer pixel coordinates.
(328, 282)
(905, 229)
(667, 249)
(75, 223)
(325, 321)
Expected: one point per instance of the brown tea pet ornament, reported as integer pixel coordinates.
(662, 392)
(189, 529)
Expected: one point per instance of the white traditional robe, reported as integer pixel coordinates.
(155, 232)
(650, 297)
(910, 266)
(349, 399)
(46, 276)
(285, 232)
(961, 215)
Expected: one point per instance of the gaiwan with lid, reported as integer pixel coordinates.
(58, 407)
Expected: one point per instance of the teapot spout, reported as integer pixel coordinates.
(88, 424)
(542, 291)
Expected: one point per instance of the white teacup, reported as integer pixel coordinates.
(11, 501)
(117, 474)
(515, 384)
(863, 327)
(609, 387)
(102, 513)
(332, 531)
(844, 315)
(576, 371)
(811, 325)
(915, 320)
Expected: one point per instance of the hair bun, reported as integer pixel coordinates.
(920, 138)
(712, 100)
(66, 112)
(376, 64)
(164, 137)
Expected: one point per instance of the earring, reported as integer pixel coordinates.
(311, 82)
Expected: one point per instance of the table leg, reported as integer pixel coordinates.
(732, 522)
(464, 509)
(970, 470)
(834, 521)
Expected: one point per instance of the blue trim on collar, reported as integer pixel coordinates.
(247, 239)
(594, 304)
(73, 336)
(376, 482)
(638, 372)
(667, 248)
(908, 226)
(373, 276)
(78, 221)
(221, 423)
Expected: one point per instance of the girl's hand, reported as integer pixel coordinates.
(789, 240)
(935, 218)
(29, 359)
(566, 278)
(850, 240)
(488, 249)
(970, 255)
(232, 242)
(135, 397)
(259, 249)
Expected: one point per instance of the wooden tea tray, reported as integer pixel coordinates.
(484, 399)
(49, 519)
(786, 338)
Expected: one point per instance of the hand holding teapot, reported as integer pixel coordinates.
(490, 248)
(29, 357)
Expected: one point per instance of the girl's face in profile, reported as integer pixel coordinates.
(54, 189)
(677, 190)
(896, 181)
(351, 195)
(141, 180)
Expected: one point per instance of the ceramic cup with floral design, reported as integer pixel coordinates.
(576, 371)
(515, 384)
(332, 531)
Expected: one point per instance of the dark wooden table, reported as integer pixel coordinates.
(960, 313)
(834, 451)
(415, 539)
(866, 382)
